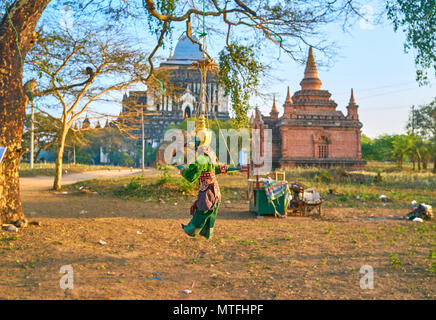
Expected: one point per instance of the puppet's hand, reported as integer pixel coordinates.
(180, 168)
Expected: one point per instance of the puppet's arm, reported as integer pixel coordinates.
(190, 173)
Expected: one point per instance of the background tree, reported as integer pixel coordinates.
(423, 120)
(403, 146)
(423, 152)
(417, 19)
(378, 149)
(120, 149)
(46, 131)
(96, 61)
(367, 147)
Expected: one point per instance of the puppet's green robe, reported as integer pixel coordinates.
(208, 199)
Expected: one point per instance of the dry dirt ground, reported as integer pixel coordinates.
(147, 256)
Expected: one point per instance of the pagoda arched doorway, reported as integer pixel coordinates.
(187, 113)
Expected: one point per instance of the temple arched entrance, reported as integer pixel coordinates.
(187, 113)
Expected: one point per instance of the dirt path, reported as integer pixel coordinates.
(46, 182)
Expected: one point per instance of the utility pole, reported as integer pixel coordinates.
(413, 134)
(32, 139)
(143, 139)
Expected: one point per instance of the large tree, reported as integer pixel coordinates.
(17, 26)
(289, 24)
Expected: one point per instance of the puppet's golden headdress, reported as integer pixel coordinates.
(202, 133)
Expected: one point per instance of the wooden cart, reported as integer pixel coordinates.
(300, 205)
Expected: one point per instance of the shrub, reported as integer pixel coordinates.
(323, 176)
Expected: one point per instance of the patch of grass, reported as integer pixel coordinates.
(359, 189)
(164, 186)
(395, 260)
(432, 261)
(329, 229)
(248, 242)
(141, 187)
(11, 238)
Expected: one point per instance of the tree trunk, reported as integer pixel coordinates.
(425, 163)
(434, 165)
(59, 159)
(400, 164)
(24, 14)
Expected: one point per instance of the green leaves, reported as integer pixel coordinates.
(423, 120)
(417, 19)
(166, 7)
(239, 75)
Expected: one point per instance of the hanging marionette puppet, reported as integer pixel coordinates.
(204, 169)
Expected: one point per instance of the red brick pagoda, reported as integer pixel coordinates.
(311, 132)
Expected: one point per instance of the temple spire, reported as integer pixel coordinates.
(311, 80)
(288, 106)
(352, 108)
(288, 98)
(352, 100)
(274, 112)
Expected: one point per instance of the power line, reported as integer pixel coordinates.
(387, 93)
(381, 87)
(385, 108)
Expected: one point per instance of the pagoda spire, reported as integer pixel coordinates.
(288, 98)
(274, 112)
(352, 100)
(311, 80)
(288, 106)
(352, 108)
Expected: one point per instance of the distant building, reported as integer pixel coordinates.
(86, 123)
(311, 132)
(163, 107)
